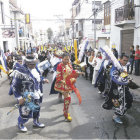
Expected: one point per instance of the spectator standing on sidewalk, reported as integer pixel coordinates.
(131, 59)
(115, 52)
(90, 61)
(97, 64)
(10, 62)
(87, 69)
(7, 53)
(137, 60)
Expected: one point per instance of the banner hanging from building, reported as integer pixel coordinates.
(8, 33)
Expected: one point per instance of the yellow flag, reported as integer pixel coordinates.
(69, 48)
(41, 48)
(1, 67)
(75, 48)
(66, 48)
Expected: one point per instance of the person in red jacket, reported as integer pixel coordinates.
(137, 61)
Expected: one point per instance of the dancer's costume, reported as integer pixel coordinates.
(55, 60)
(117, 92)
(27, 84)
(65, 79)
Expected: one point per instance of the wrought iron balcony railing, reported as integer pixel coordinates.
(126, 12)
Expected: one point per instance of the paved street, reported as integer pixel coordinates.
(90, 121)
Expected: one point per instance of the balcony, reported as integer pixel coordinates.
(125, 15)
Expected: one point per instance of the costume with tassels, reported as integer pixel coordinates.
(27, 87)
(114, 82)
(65, 80)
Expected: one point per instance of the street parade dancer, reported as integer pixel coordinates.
(27, 88)
(55, 60)
(114, 81)
(65, 79)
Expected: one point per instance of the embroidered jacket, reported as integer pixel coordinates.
(23, 81)
(62, 72)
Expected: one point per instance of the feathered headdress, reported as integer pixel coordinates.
(110, 56)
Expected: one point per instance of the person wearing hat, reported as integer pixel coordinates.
(27, 79)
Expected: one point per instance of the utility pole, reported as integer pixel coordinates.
(94, 13)
(63, 27)
(94, 25)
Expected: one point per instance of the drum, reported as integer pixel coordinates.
(44, 65)
(83, 66)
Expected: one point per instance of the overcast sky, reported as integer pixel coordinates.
(46, 9)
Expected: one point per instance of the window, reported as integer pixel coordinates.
(107, 13)
(77, 27)
(97, 21)
(2, 13)
(11, 21)
(80, 25)
(130, 2)
(98, 5)
(67, 31)
(78, 8)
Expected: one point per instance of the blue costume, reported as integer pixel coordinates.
(118, 90)
(113, 81)
(26, 85)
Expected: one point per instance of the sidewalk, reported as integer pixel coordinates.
(136, 92)
(3, 78)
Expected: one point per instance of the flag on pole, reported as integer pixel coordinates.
(75, 48)
(83, 48)
(3, 65)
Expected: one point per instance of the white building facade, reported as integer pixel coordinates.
(84, 23)
(117, 23)
(6, 31)
(14, 33)
(137, 25)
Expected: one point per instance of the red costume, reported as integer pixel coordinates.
(65, 79)
(62, 72)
